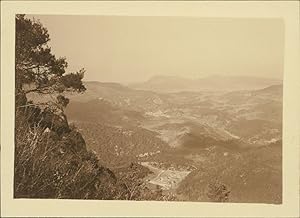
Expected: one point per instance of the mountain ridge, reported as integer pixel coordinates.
(209, 83)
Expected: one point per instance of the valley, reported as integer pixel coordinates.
(188, 139)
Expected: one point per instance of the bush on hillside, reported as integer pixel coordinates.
(217, 191)
(50, 166)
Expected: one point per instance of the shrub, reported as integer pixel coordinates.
(217, 192)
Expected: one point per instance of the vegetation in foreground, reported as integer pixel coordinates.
(51, 157)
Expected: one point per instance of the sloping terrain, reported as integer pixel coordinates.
(190, 140)
(120, 96)
(254, 176)
(102, 111)
(116, 146)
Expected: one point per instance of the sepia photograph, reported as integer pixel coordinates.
(148, 108)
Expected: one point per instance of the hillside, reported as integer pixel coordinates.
(119, 95)
(251, 116)
(254, 176)
(188, 140)
(56, 159)
(118, 146)
(102, 111)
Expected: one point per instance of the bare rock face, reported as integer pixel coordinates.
(56, 123)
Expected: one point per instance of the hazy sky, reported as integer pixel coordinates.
(128, 49)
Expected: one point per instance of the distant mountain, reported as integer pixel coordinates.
(211, 83)
(274, 90)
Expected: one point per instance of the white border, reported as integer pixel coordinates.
(291, 126)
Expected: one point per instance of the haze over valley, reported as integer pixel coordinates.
(189, 139)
